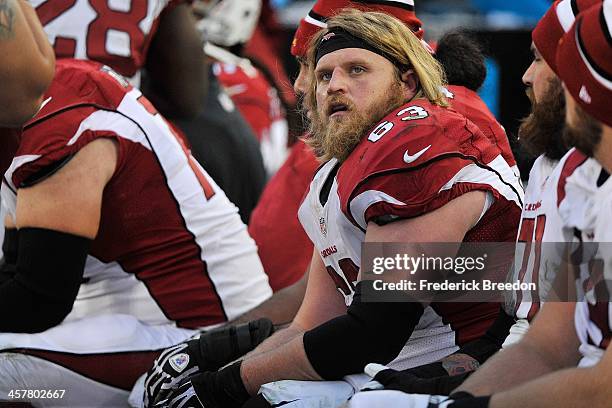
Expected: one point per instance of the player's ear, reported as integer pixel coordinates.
(410, 82)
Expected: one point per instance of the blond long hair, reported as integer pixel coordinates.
(392, 37)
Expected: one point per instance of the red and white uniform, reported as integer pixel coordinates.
(171, 254)
(259, 103)
(538, 252)
(417, 159)
(285, 261)
(585, 205)
(114, 32)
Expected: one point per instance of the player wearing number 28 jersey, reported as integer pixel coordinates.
(170, 254)
(116, 33)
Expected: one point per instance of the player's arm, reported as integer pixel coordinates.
(281, 356)
(56, 219)
(28, 62)
(176, 65)
(322, 302)
(549, 345)
(285, 357)
(570, 387)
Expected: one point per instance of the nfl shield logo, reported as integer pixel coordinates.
(323, 226)
(327, 36)
(179, 362)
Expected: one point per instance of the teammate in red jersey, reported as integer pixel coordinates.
(124, 245)
(398, 169)
(156, 34)
(27, 64)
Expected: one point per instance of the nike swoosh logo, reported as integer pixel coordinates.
(408, 158)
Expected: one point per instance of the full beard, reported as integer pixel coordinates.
(584, 134)
(337, 137)
(541, 131)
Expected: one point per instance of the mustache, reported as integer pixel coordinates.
(337, 100)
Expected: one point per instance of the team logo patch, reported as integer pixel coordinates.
(179, 362)
(323, 226)
(327, 36)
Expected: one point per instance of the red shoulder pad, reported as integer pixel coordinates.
(415, 134)
(416, 159)
(79, 82)
(240, 84)
(79, 89)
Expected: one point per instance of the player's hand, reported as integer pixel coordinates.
(173, 366)
(182, 396)
(210, 389)
(205, 352)
(392, 379)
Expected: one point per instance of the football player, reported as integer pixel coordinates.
(564, 358)
(27, 64)
(397, 169)
(228, 25)
(119, 245)
(286, 264)
(158, 35)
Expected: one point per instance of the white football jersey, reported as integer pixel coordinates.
(585, 205)
(538, 250)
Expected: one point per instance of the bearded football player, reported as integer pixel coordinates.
(399, 166)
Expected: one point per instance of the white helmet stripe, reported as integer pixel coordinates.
(565, 14)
